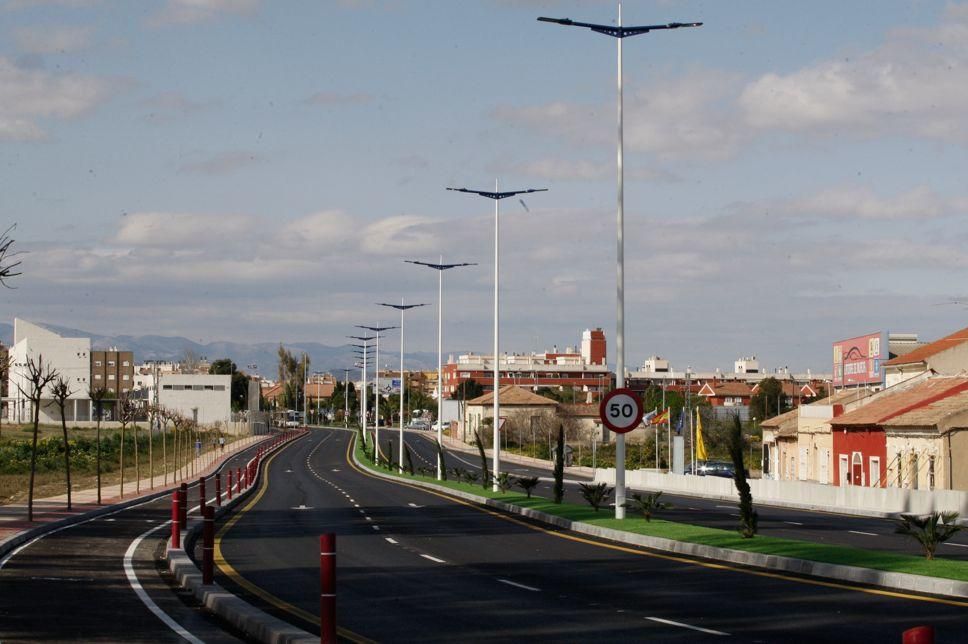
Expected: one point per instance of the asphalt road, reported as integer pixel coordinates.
(419, 566)
(71, 585)
(820, 527)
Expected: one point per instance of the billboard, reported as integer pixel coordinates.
(857, 361)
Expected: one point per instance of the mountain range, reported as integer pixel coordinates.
(260, 358)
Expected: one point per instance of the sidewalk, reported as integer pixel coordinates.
(16, 529)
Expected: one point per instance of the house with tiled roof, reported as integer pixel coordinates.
(521, 410)
(726, 393)
(860, 449)
(947, 356)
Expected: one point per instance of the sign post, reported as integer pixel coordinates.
(621, 411)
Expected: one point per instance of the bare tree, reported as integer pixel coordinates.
(182, 425)
(189, 362)
(60, 392)
(126, 414)
(6, 360)
(163, 416)
(38, 376)
(8, 267)
(97, 396)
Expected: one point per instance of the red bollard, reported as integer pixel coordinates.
(208, 544)
(183, 505)
(201, 491)
(918, 635)
(175, 521)
(230, 484)
(218, 490)
(327, 583)
(238, 480)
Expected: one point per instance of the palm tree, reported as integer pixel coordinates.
(929, 530)
(97, 396)
(61, 391)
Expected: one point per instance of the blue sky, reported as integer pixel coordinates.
(256, 171)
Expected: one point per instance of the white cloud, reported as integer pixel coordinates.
(52, 39)
(863, 203)
(26, 95)
(186, 230)
(328, 229)
(915, 83)
(184, 12)
(401, 235)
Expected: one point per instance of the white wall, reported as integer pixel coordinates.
(212, 395)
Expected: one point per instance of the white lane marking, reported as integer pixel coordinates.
(793, 522)
(376, 527)
(391, 540)
(110, 520)
(957, 545)
(718, 506)
(301, 506)
(414, 505)
(356, 505)
(368, 518)
(689, 626)
(866, 534)
(143, 596)
(435, 559)
(696, 509)
(521, 586)
(336, 470)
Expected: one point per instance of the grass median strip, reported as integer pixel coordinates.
(823, 553)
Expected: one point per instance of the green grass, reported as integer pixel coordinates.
(824, 553)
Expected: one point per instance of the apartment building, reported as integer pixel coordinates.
(113, 370)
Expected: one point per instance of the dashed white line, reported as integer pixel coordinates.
(957, 545)
(720, 506)
(434, 559)
(669, 622)
(414, 505)
(866, 534)
(793, 522)
(376, 527)
(521, 586)
(391, 540)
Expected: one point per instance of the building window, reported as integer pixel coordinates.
(97, 363)
(197, 387)
(914, 471)
(166, 387)
(97, 376)
(125, 364)
(110, 363)
(930, 472)
(900, 470)
(125, 377)
(110, 376)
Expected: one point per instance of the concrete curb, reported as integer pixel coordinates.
(852, 574)
(252, 621)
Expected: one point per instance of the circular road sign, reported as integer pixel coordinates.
(621, 410)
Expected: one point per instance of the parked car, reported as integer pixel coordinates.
(419, 424)
(724, 469)
(292, 423)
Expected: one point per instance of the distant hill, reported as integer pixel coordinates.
(157, 347)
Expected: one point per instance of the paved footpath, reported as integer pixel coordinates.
(15, 528)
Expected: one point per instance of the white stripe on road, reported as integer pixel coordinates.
(435, 559)
(792, 523)
(391, 540)
(957, 545)
(517, 585)
(866, 534)
(689, 626)
(721, 506)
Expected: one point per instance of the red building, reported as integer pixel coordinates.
(730, 393)
(579, 374)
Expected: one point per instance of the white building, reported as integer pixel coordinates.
(69, 357)
(210, 395)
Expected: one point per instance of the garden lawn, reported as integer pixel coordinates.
(839, 555)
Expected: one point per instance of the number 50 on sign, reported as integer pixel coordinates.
(621, 410)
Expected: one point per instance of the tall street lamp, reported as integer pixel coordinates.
(376, 389)
(497, 196)
(346, 397)
(619, 33)
(401, 307)
(364, 340)
(440, 268)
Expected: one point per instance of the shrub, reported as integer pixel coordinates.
(528, 484)
(647, 504)
(930, 530)
(596, 494)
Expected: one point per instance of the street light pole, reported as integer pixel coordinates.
(364, 339)
(376, 389)
(440, 268)
(619, 33)
(497, 196)
(346, 398)
(401, 307)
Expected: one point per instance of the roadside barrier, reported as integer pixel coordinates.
(327, 583)
(918, 635)
(183, 505)
(201, 491)
(208, 545)
(218, 489)
(230, 484)
(175, 520)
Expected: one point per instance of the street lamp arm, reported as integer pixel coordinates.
(617, 31)
(498, 195)
(401, 307)
(439, 267)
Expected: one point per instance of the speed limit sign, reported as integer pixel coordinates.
(621, 410)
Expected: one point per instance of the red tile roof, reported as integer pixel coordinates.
(727, 388)
(921, 354)
(891, 405)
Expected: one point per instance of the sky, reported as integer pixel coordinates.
(254, 171)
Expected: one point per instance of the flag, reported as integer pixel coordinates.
(679, 423)
(648, 418)
(700, 445)
(661, 418)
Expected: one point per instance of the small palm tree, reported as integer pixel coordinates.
(528, 484)
(929, 530)
(596, 493)
(647, 504)
(503, 481)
